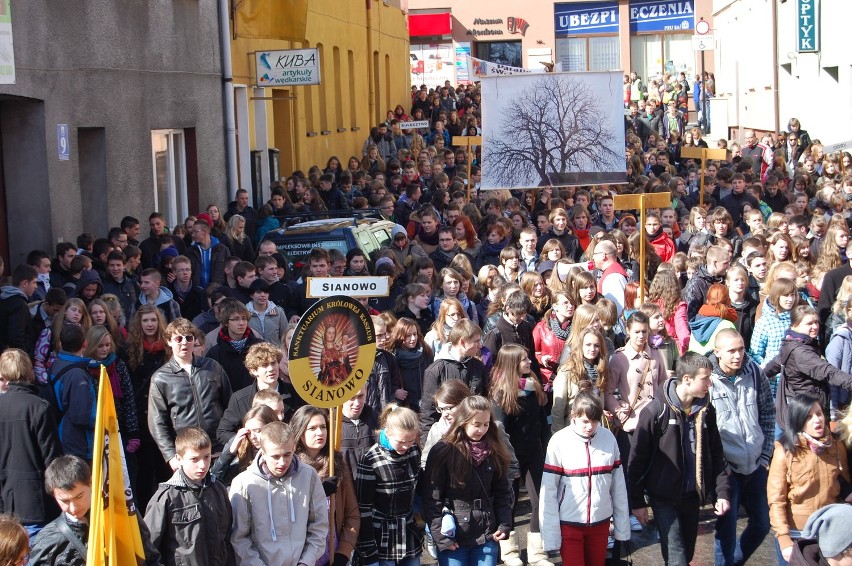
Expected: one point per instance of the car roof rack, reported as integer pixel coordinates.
(354, 215)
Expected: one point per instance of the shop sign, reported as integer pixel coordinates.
(287, 67)
(485, 31)
(462, 53)
(807, 26)
(585, 18)
(661, 15)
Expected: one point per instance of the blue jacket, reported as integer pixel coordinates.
(77, 395)
(769, 331)
(839, 354)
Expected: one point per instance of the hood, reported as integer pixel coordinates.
(257, 468)
(10, 291)
(164, 297)
(214, 241)
(703, 327)
(444, 354)
(702, 273)
(86, 277)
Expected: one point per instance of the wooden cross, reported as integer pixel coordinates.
(703, 153)
(640, 202)
(467, 141)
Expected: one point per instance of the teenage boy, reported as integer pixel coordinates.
(448, 248)
(233, 343)
(63, 541)
(267, 269)
(358, 430)
(244, 274)
(319, 263)
(118, 283)
(263, 362)
(676, 459)
(189, 518)
(457, 361)
(527, 243)
(41, 262)
(285, 530)
(267, 319)
(186, 391)
(207, 254)
(154, 294)
(61, 272)
(513, 328)
(14, 309)
(189, 297)
(75, 392)
(558, 220)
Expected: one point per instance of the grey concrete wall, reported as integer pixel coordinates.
(127, 67)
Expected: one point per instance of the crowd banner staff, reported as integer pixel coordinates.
(469, 142)
(331, 356)
(641, 202)
(703, 154)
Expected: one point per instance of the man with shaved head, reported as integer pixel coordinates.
(613, 277)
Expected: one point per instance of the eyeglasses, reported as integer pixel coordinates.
(180, 339)
(445, 408)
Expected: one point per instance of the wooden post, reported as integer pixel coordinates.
(331, 444)
(640, 202)
(468, 142)
(703, 153)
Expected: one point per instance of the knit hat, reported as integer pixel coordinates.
(545, 266)
(397, 230)
(384, 261)
(830, 527)
(170, 251)
(204, 217)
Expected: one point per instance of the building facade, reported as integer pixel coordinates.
(363, 52)
(809, 76)
(650, 37)
(108, 109)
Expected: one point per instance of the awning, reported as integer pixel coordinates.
(420, 25)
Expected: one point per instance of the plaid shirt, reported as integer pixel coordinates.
(768, 333)
(385, 484)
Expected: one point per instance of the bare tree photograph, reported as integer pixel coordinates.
(552, 129)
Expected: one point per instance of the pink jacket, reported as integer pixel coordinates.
(677, 327)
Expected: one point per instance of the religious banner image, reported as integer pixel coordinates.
(332, 352)
(559, 129)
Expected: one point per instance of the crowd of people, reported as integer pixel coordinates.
(516, 350)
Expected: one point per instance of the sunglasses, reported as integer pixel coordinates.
(179, 339)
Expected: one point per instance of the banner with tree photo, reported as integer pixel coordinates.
(559, 129)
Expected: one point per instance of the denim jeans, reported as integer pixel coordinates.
(795, 535)
(482, 555)
(678, 528)
(750, 492)
(413, 561)
(33, 529)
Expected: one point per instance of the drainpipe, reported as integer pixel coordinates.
(776, 99)
(228, 98)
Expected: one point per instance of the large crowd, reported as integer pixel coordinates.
(515, 351)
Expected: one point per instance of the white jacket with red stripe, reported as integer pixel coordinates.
(584, 480)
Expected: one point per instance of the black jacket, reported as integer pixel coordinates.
(570, 242)
(127, 292)
(192, 303)
(805, 373)
(696, 290)
(248, 213)
(831, 283)
(356, 439)
(238, 406)
(334, 199)
(444, 368)
(505, 333)
(15, 320)
(191, 524)
(178, 400)
(475, 522)
(29, 442)
(219, 253)
(232, 361)
(656, 453)
(442, 260)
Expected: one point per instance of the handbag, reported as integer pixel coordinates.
(617, 558)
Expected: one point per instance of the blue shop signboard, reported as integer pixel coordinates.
(661, 15)
(586, 18)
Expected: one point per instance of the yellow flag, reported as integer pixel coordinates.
(114, 536)
(271, 19)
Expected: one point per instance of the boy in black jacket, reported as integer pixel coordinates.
(190, 516)
(677, 443)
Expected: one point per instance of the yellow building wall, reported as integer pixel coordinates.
(364, 70)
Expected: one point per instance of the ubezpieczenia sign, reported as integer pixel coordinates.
(287, 67)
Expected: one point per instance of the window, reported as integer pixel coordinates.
(502, 52)
(594, 53)
(169, 160)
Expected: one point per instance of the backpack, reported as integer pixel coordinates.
(48, 391)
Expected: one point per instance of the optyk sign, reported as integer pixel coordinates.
(807, 26)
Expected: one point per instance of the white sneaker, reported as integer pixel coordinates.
(635, 525)
(431, 548)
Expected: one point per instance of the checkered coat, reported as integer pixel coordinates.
(385, 484)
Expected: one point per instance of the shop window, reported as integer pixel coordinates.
(597, 53)
(502, 52)
(170, 180)
(654, 54)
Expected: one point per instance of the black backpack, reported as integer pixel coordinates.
(47, 391)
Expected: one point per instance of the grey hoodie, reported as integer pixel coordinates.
(278, 521)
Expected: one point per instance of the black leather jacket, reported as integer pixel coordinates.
(178, 400)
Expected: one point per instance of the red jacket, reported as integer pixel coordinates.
(664, 246)
(547, 344)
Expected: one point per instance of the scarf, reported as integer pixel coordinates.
(493, 249)
(110, 364)
(655, 235)
(557, 329)
(428, 239)
(238, 345)
(408, 359)
(720, 311)
(583, 236)
(797, 336)
(384, 442)
(591, 373)
(817, 446)
(154, 347)
(656, 341)
(479, 451)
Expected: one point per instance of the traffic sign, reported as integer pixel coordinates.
(702, 43)
(702, 27)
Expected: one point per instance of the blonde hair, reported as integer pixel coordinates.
(396, 417)
(13, 540)
(15, 366)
